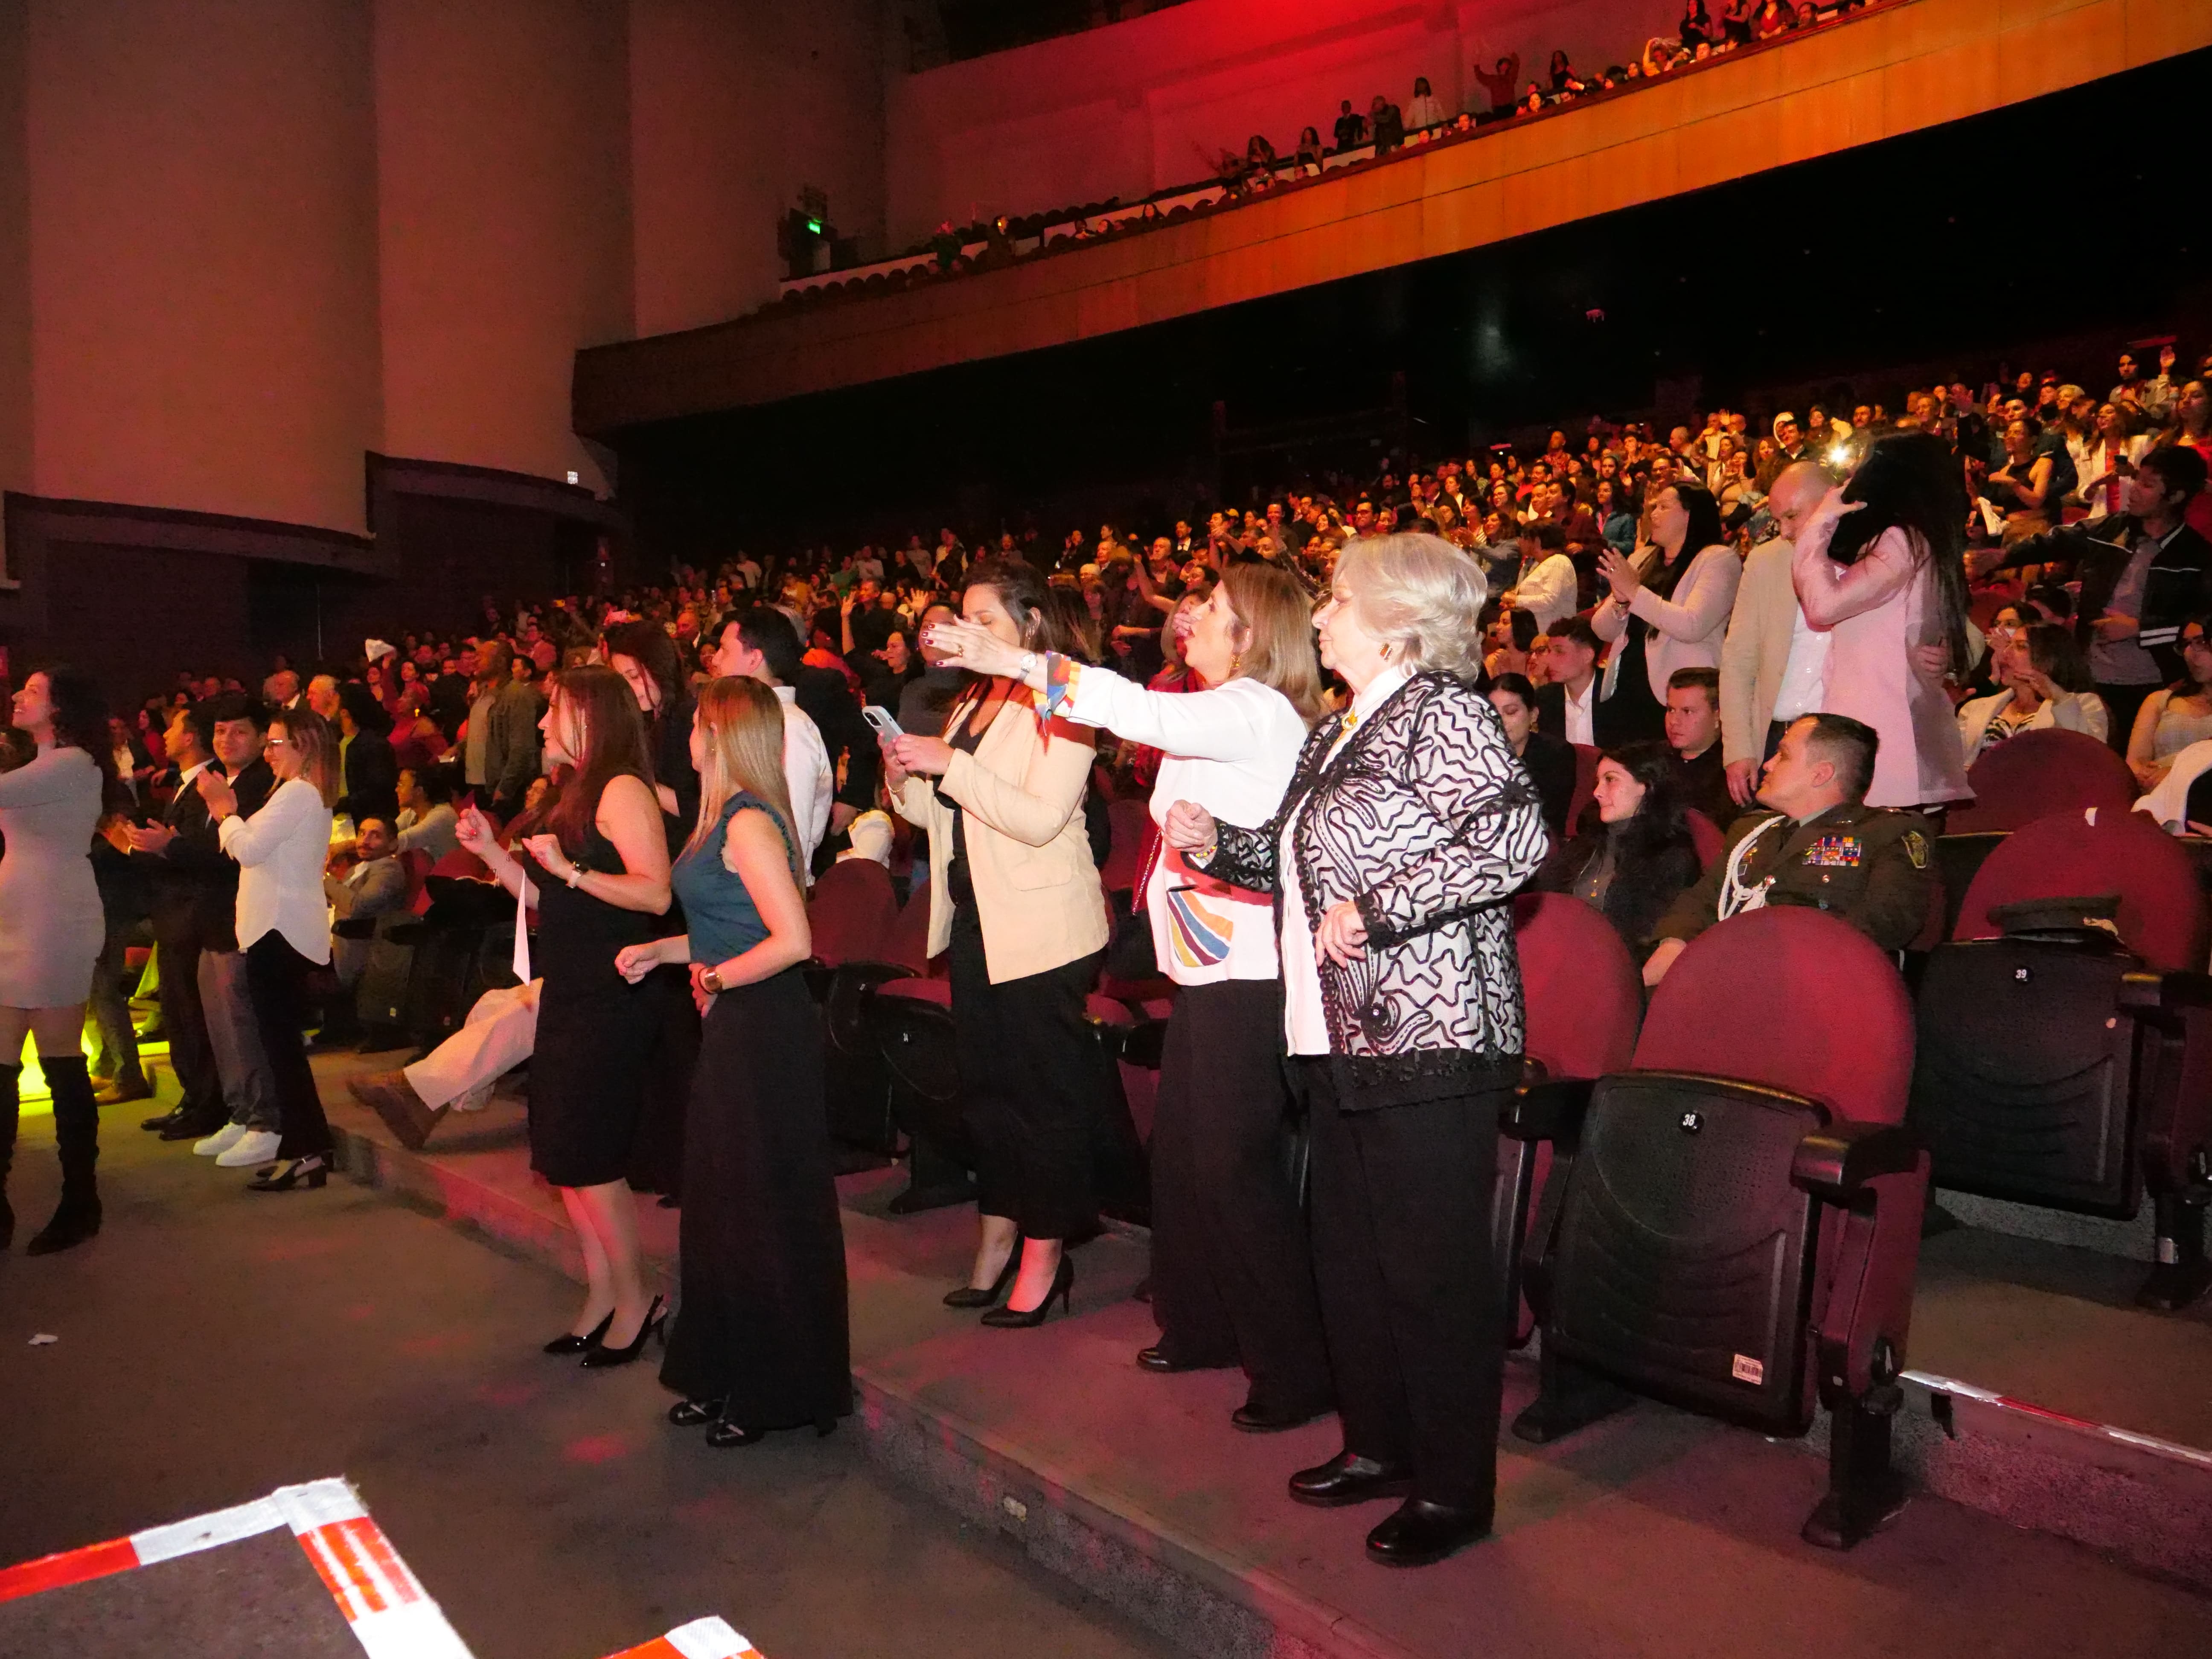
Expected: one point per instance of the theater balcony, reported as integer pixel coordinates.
(1896, 67)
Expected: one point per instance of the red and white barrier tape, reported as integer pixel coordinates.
(2119, 1437)
(384, 1603)
(702, 1638)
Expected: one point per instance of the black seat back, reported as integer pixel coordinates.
(1683, 1260)
(2024, 1083)
(917, 1042)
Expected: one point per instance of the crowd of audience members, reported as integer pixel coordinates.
(1767, 658)
(1383, 127)
(2048, 466)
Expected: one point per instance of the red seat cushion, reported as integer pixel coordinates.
(2078, 854)
(1581, 986)
(852, 912)
(2039, 773)
(1794, 998)
(1705, 835)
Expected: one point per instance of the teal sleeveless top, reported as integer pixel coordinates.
(722, 919)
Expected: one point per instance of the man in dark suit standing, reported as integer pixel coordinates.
(175, 892)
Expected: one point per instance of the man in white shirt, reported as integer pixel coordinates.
(761, 644)
(1773, 665)
(1567, 703)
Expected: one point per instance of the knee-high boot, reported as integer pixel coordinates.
(9, 1075)
(77, 1138)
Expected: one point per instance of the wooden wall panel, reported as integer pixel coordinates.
(1894, 71)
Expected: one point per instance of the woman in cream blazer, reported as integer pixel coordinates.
(1014, 896)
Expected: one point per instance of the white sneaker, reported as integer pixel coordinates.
(220, 1141)
(252, 1149)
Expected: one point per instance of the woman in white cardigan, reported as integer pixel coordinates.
(2045, 684)
(1232, 1282)
(284, 925)
(1668, 610)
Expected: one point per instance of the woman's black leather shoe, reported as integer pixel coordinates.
(1063, 1288)
(1346, 1478)
(690, 1414)
(969, 1296)
(601, 1358)
(1255, 1419)
(312, 1170)
(1422, 1532)
(569, 1342)
(729, 1434)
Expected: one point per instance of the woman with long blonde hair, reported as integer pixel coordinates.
(762, 1340)
(1232, 1283)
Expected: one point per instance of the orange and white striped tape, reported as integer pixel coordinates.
(702, 1638)
(384, 1603)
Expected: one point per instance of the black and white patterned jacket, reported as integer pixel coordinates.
(1426, 820)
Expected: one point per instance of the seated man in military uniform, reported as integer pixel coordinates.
(1816, 843)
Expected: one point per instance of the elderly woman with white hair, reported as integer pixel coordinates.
(1406, 828)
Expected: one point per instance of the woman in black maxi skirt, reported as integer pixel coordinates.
(760, 1340)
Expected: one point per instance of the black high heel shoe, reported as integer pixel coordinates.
(969, 1296)
(569, 1342)
(312, 1170)
(602, 1358)
(1063, 1287)
(690, 1414)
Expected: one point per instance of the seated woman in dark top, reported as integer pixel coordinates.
(1548, 757)
(1641, 856)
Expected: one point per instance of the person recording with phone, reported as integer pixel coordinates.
(1232, 1282)
(1014, 896)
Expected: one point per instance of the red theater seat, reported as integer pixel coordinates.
(852, 912)
(2039, 773)
(1707, 836)
(1736, 1230)
(1585, 785)
(1584, 1000)
(2070, 1067)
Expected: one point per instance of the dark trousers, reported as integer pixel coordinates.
(1032, 1087)
(116, 1055)
(1401, 1253)
(2122, 703)
(1232, 1277)
(183, 1021)
(276, 984)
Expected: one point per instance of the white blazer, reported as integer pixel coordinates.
(281, 851)
(1687, 630)
(2071, 711)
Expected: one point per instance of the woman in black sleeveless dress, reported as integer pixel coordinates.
(598, 877)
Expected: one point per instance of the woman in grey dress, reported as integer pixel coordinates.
(51, 932)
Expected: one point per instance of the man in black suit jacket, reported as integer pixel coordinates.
(193, 901)
(370, 784)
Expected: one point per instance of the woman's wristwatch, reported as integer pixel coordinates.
(1028, 666)
(575, 874)
(712, 979)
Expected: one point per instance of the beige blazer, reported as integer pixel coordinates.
(1757, 650)
(1029, 854)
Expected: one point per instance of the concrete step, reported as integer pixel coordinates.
(1652, 1533)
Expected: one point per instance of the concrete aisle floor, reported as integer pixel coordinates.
(215, 1343)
